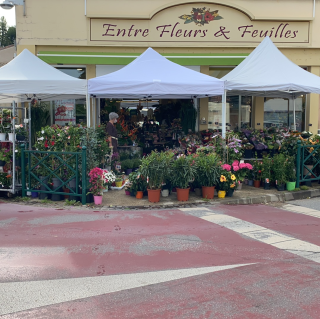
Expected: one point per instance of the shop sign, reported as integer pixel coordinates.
(197, 24)
(65, 112)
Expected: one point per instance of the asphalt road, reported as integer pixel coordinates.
(208, 262)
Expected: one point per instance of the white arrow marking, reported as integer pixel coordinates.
(20, 296)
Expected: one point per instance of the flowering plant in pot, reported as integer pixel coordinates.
(21, 132)
(257, 170)
(266, 173)
(183, 172)
(97, 182)
(290, 171)
(208, 172)
(109, 178)
(157, 168)
(138, 184)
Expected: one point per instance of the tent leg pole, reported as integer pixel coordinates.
(294, 114)
(224, 113)
(88, 110)
(29, 125)
(240, 115)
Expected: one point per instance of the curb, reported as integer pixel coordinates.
(271, 198)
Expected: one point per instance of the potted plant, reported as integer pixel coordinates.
(97, 183)
(208, 171)
(138, 184)
(2, 133)
(127, 165)
(240, 170)
(290, 173)
(109, 178)
(21, 133)
(183, 172)
(4, 156)
(278, 168)
(119, 181)
(266, 172)
(257, 170)
(157, 167)
(248, 147)
(223, 184)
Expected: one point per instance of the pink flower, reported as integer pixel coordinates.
(235, 163)
(226, 167)
(249, 166)
(243, 165)
(236, 168)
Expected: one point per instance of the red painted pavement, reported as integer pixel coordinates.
(37, 244)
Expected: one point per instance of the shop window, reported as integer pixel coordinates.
(238, 107)
(279, 112)
(70, 110)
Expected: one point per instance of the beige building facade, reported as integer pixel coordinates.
(101, 36)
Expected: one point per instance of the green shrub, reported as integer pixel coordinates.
(126, 164)
(304, 188)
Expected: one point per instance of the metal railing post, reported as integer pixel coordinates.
(23, 171)
(298, 163)
(84, 175)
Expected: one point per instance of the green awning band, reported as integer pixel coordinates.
(84, 58)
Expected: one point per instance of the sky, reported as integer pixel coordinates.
(9, 15)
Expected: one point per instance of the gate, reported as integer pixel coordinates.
(308, 158)
(50, 165)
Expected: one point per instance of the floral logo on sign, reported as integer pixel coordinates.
(201, 16)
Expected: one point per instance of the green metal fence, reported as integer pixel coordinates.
(308, 159)
(64, 166)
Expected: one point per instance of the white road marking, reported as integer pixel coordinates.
(290, 244)
(302, 210)
(20, 296)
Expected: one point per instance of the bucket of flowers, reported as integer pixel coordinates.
(109, 178)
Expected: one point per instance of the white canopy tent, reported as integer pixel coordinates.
(153, 76)
(267, 72)
(27, 75)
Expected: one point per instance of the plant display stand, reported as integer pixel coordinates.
(9, 146)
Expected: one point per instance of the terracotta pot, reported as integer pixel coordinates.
(222, 194)
(139, 194)
(154, 195)
(208, 192)
(66, 190)
(183, 194)
(97, 200)
(256, 184)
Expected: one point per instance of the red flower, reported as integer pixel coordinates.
(46, 144)
(259, 171)
(208, 16)
(52, 143)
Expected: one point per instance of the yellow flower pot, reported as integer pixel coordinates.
(119, 184)
(222, 194)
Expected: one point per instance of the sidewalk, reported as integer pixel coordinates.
(247, 195)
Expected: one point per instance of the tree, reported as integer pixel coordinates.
(11, 35)
(3, 31)
(7, 35)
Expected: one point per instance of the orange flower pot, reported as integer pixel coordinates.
(208, 192)
(256, 184)
(154, 195)
(183, 194)
(139, 194)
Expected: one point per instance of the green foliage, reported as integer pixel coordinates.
(127, 164)
(304, 188)
(5, 155)
(72, 202)
(278, 168)
(183, 171)
(296, 189)
(290, 166)
(7, 35)
(188, 115)
(138, 182)
(266, 168)
(40, 118)
(208, 169)
(45, 201)
(157, 167)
